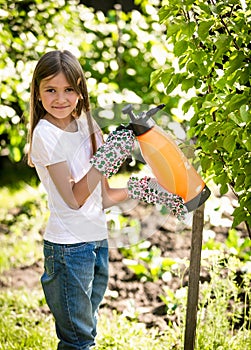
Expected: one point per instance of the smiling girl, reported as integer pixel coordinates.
(73, 164)
(63, 140)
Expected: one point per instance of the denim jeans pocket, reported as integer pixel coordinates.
(48, 259)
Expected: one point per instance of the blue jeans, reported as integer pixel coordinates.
(74, 283)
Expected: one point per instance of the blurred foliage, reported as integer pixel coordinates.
(118, 52)
(210, 45)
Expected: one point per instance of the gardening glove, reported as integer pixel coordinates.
(110, 156)
(148, 190)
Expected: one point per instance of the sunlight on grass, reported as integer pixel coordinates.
(17, 251)
(25, 323)
(118, 332)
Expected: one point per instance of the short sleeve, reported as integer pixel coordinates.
(46, 146)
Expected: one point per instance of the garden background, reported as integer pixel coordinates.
(193, 56)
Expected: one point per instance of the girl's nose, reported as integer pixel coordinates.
(60, 97)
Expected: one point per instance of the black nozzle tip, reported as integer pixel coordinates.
(197, 201)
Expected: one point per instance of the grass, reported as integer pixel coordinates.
(26, 323)
(120, 333)
(23, 324)
(223, 321)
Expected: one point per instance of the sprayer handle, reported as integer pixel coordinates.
(127, 109)
(146, 115)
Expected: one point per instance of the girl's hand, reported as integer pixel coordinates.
(149, 190)
(110, 156)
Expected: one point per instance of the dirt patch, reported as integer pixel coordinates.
(26, 276)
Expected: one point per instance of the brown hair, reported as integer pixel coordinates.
(51, 64)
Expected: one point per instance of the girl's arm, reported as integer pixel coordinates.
(73, 193)
(112, 196)
(119, 143)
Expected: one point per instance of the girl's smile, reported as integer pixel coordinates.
(59, 99)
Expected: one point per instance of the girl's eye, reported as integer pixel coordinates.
(51, 90)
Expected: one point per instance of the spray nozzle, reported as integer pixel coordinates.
(143, 122)
(154, 110)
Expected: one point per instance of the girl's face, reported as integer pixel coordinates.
(58, 97)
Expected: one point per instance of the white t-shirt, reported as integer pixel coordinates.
(51, 145)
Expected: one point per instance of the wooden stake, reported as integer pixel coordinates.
(194, 278)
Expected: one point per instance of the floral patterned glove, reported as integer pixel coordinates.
(149, 190)
(110, 156)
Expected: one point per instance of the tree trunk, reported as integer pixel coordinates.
(194, 278)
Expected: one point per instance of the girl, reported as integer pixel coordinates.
(63, 138)
(72, 163)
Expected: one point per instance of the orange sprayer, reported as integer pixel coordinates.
(167, 162)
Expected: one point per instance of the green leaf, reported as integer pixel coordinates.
(218, 167)
(239, 182)
(167, 75)
(204, 27)
(189, 2)
(188, 29)
(248, 144)
(245, 113)
(136, 267)
(200, 58)
(192, 67)
(180, 47)
(187, 84)
(172, 29)
(239, 215)
(229, 143)
(211, 129)
(170, 87)
(235, 63)
(194, 120)
(236, 102)
(206, 163)
(155, 77)
(235, 117)
(164, 14)
(205, 8)
(223, 188)
(248, 181)
(186, 106)
(222, 45)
